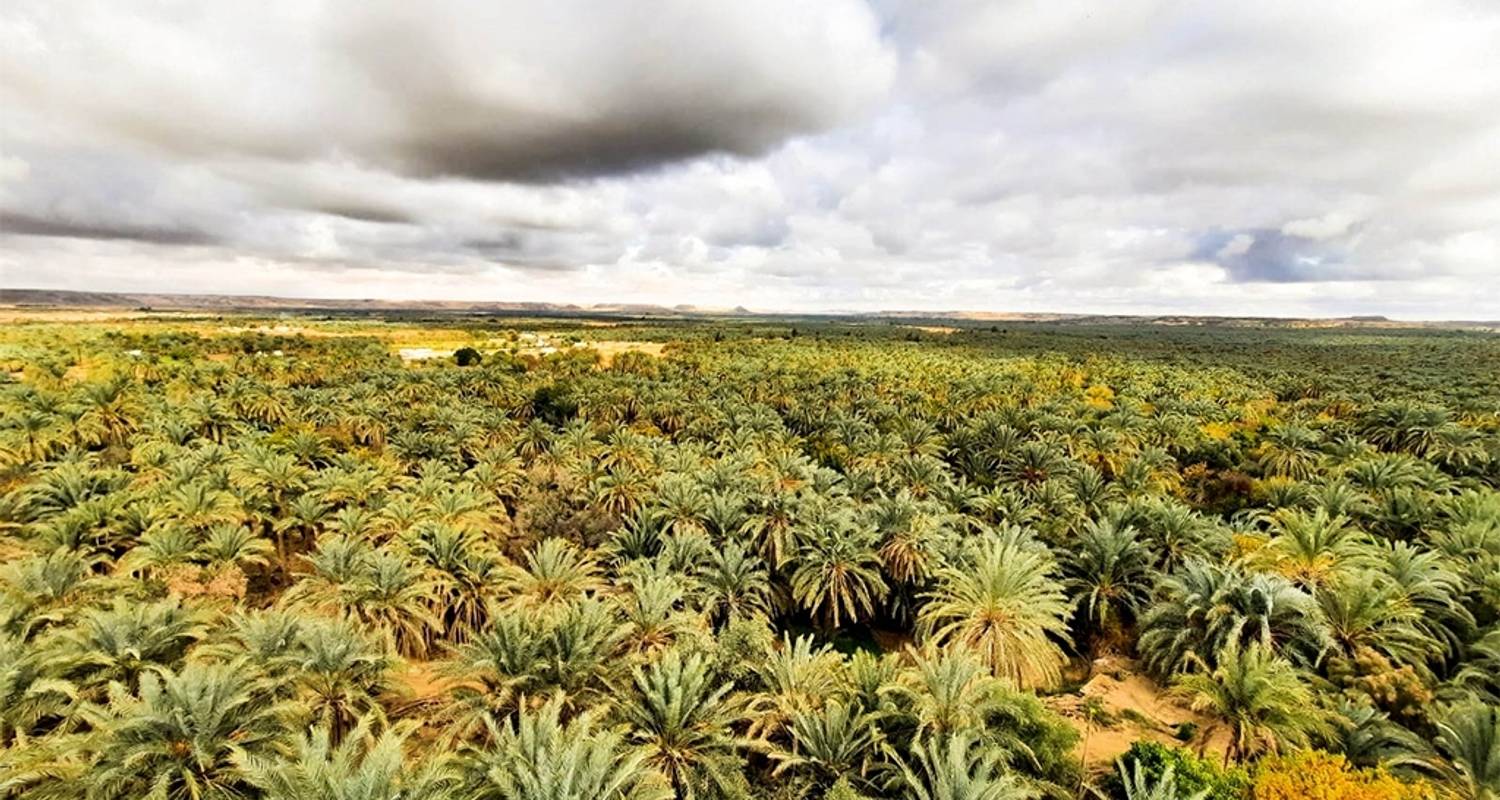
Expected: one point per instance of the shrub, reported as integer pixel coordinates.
(1316, 775)
(1193, 774)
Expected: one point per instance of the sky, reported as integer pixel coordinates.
(1276, 158)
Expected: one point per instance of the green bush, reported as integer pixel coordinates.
(467, 357)
(1194, 774)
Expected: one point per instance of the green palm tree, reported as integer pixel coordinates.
(466, 574)
(1468, 738)
(1205, 608)
(269, 639)
(1289, 451)
(837, 576)
(1258, 697)
(583, 643)
(537, 756)
(1139, 785)
(555, 573)
(682, 719)
(29, 696)
(957, 767)
(46, 590)
(362, 767)
(734, 583)
(1313, 549)
(1481, 672)
(1109, 571)
(390, 599)
(183, 736)
(341, 676)
(654, 612)
(1368, 738)
(1369, 611)
(796, 677)
(122, 642)
(838, 740)
(234, 545)
(948, 692)
(300, 523)
(160, 550)
(490, 673)
(1005, 605)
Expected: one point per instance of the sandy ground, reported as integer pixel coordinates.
(1138, 708)
(608, 350)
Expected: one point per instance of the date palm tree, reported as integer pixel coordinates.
(1370, 611)
(490, 673)
(796, 677)
(363, 767)
(948, 692)
(1109, 572)
(234, 545)
(1004, 604)
(122, 642)
(555, 573)
(956, 767)
(465, 573)
(42, 591)
(538, 756)
(837, 741)
(1205, 608)
(1139, 785)
(340, 675)
(1468, 740)
(1314, 548)
(837, 576)
(1258, 697)
(160, 550)
(682, 718)
(29, 696)
(734, 583)
(184, 735)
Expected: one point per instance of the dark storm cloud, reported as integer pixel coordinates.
(360, 212)
(12, 223)
(516, 91)
(643, 140)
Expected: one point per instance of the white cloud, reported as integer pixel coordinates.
(1329, 226)
(1268, 158)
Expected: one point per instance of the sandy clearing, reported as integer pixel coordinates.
(1139, 709)
(608, 350)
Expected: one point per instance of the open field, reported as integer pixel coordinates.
(748, 557)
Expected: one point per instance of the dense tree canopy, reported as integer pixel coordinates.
(244, 558)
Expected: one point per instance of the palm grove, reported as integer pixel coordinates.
(846, 563)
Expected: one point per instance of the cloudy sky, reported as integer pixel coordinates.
(1275, 157)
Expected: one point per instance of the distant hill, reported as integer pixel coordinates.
(137, 301)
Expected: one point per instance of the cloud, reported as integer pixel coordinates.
(1272, 256)
(1149, 155)
(1330, 225)
(23, 225)
(504, 91)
